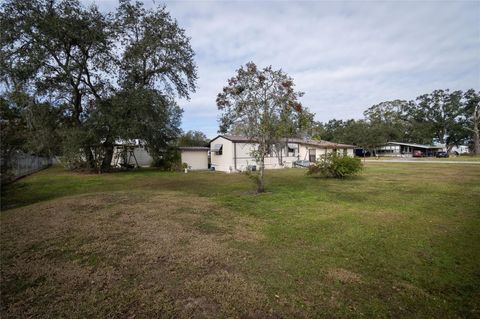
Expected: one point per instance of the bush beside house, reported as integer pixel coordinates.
(336, 166)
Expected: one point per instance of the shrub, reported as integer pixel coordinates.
(337, 166)
(169, 160)
(73, 143)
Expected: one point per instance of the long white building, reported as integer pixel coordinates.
(399, 149)
(135, 154)
(233, 153)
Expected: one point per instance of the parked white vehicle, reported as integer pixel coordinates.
(461, 149)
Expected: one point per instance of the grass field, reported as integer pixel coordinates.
(461, 158)
(400, 241)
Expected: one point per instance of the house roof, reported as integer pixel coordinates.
(416, 145)
(233, 138)
(318, 143)
(194, 148)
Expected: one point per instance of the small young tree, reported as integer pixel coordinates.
(263, 105)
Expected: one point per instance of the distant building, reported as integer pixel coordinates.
(233, 153)
(399, 149)
(134, 154)
(196, 157)
(131, 153)
(460, 149)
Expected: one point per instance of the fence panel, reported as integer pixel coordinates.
(23, 164)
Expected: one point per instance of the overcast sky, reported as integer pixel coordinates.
(345, 56)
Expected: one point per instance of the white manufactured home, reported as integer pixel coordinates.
(233, 153)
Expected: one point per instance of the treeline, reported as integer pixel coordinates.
(450, 118)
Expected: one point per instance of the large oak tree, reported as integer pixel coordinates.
(114, 76)
(442, 114)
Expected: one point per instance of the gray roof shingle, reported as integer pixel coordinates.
(319, 143)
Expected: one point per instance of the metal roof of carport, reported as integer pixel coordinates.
(416, 145)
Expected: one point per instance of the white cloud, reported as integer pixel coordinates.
(346, 56)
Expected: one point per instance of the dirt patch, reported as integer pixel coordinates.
(344, 276)
(124, 254)
(247, 230)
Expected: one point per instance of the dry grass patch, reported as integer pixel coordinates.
(344, 276)
(123, 254)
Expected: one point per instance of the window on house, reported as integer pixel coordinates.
(218, 149)
(345, 152)
(291, 147)
(312, 155)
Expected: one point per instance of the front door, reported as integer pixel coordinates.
(311, 156)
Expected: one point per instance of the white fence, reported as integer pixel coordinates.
(22, 164)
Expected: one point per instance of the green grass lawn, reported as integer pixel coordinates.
(400, 240)
(469, 158)
(462, 158)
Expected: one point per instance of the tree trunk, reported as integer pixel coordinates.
(476, 140)
(108, 155)
(476, 130)
(260, 180)
(90, 159)
(279, 151)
